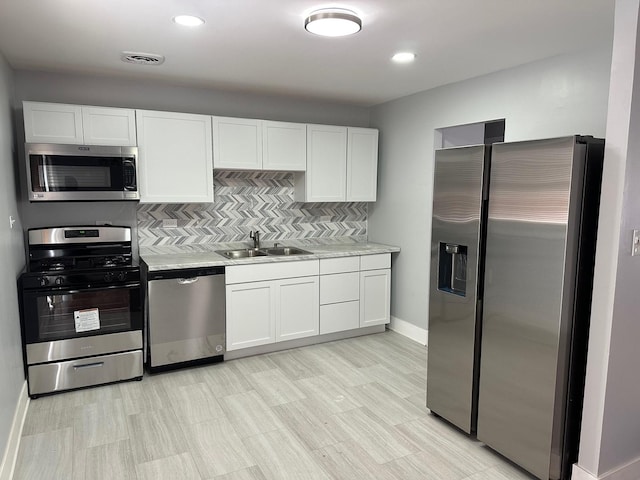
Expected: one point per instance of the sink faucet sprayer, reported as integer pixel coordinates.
(255, 236)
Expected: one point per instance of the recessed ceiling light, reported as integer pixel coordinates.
(333, 22)
(188, 20)
(404, 57)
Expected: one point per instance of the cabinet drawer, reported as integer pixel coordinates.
(341, 287)
(339, 265)
(84, 372)
(339, 316)
(375, 262)
(270, 271)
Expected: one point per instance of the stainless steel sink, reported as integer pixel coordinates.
(285, 251)
(242, 253)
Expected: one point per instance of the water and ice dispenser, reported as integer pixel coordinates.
(452, 268)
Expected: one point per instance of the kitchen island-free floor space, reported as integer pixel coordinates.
(350, 409)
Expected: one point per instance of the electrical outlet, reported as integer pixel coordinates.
(170, 223)
(635, 248)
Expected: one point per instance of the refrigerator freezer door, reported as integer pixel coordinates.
(455, 244)
(530, 264)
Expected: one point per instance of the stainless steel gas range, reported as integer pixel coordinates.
(81, 309)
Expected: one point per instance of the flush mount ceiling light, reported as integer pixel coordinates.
(333, 22)
(188, 20)
(404, 57)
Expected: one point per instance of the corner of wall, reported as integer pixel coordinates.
(13, 442)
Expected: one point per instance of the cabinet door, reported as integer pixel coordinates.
(109, 126)
(175, 157)
(375, 296)
(251, 315)
(52, 123)
(325, 179)
(284, 146)
(237, 143)
(362, 164)
(298, 308)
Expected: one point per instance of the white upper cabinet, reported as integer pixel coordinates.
(342, 165)
(78, 124)
(109, 126)
(52, 123)
(249, 144)
(284, 146)
(237, 143)
(175, 157)
(362, 164)
(325, 178)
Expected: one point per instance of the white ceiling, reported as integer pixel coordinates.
(261, 45)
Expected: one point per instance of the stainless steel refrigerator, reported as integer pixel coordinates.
(512, 253)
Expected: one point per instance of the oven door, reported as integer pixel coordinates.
(51, 315)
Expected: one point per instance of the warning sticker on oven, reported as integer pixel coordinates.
(87, 320)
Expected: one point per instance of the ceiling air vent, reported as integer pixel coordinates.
(142, 58)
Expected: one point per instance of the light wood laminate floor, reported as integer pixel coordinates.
(351, 409)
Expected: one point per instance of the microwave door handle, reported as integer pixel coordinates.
(128, 164)
(44, 177)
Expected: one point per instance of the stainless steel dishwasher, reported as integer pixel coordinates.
(186, 317)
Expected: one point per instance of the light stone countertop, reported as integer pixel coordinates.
(174, 259)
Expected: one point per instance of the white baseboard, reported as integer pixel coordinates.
(630, 471)
(13, 442)
(409, 330)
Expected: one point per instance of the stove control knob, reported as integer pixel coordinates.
(108, 277)
(44, 281)
(122, 276)
(59, 281)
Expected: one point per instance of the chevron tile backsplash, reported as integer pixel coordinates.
(246, 201)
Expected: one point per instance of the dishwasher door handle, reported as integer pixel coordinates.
(187, 281)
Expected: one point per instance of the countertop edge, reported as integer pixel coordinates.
(179, 261)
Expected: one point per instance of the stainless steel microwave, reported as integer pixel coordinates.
(81, 172)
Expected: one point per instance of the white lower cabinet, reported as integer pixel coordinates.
(251, 315)
(297, 307)
(338, 317)
(276, 302)
(339, 294)
(375, 297)
(262, 311)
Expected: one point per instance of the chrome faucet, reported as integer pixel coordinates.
(255, 236)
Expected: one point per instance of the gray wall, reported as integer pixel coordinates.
(117, 92)
(559, 96)
(154, 95)
(610, 436)
(11, 263)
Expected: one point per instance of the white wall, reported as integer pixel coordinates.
(11, 263)
(559, 96)
(610, 436)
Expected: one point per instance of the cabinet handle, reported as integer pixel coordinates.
(88, 365)
(187, 281)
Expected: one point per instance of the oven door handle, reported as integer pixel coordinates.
(89, 365)
(66, 290)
